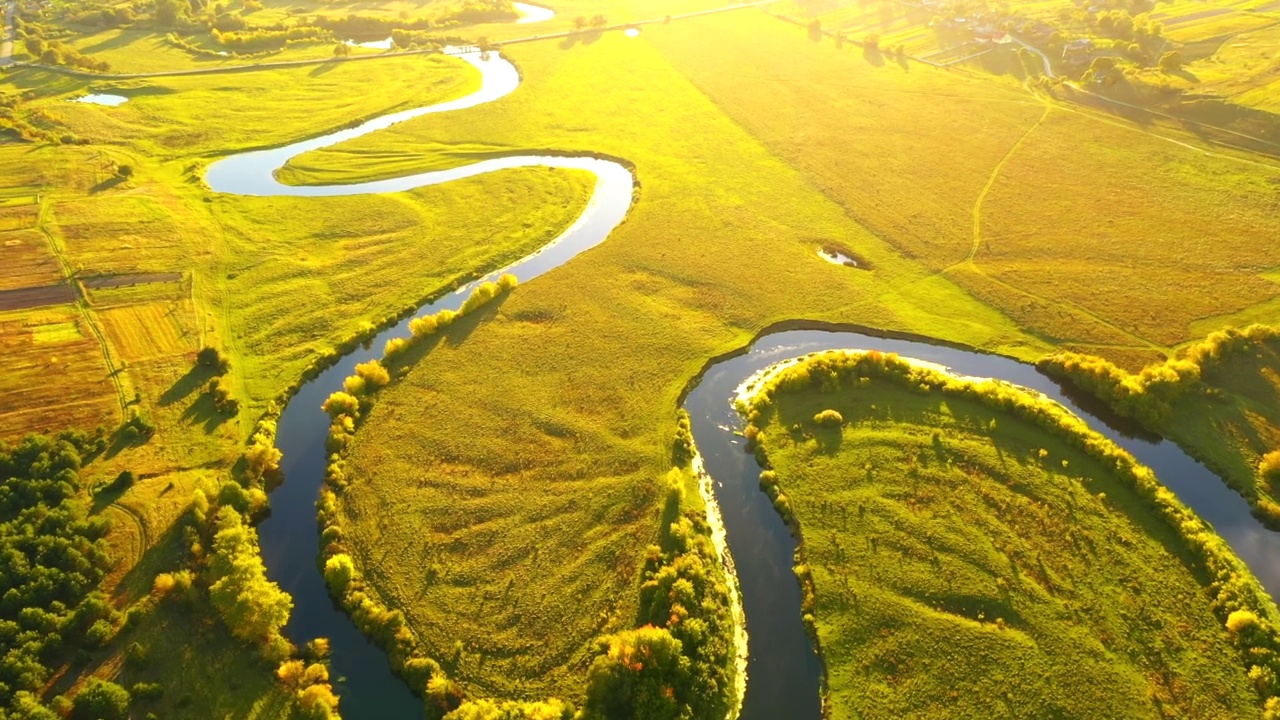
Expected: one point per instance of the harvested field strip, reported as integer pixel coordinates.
(113, 281)
(152, 330)
(58, 379)
(25, 261)
(26, 298)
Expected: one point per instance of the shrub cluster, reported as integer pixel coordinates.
(1148, 396)
(680, 662)
(52, 558)
(1232, 588)
(310, 684)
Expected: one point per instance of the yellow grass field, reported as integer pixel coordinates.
(25, 261)
(1085, 229)
(149, 331)
(55, 374)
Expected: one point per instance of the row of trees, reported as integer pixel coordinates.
(386, 626)
(681, 662)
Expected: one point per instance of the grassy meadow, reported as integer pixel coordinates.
(1087, 231)
(968, 563)
(543, 422)
(506, 486)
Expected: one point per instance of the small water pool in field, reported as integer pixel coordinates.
(632, 32)
(371, 44)
(102, 99)
(835, 257)
(532, 13)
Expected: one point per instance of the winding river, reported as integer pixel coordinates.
(290, 537)
(784, 673)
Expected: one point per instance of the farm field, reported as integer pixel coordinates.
(509, 503)
(1032, 185)
(966, 561)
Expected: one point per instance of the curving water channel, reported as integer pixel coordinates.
(784, 673)
(290, 537)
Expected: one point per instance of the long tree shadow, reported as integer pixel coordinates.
(191, 382)
(204, 412)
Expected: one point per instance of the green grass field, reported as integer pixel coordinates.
(970, 564)
(1085, 230)
(506, 488)
(601, 348)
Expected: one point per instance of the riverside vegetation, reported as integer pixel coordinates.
(504, 491)
(1219, 398)
(971, 549)
(679, 662)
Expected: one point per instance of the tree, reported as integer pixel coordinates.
(598, 21)
(168, 11)
(579, 23)
(253, 607)
(341, 50)
(1171, 61)
(125, 171)
(641, 674)
(212, 358)
(338, 571)
(101, 700)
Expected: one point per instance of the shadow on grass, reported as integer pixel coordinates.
(195, 379)
(586, 37)
(106, 184)
(455, 334)
(203, 412)
(121, 39)
(323, 69)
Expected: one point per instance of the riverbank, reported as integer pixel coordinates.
(986, 543)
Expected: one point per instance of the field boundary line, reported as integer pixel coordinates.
(1144, 342)
(136, 519)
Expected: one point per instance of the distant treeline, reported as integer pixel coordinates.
(233, 30)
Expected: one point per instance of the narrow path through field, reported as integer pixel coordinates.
(140, 525)
(991, 181)
(970, 261)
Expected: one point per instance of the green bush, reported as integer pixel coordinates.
(829, 418)
(100, 700)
